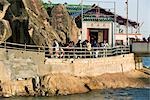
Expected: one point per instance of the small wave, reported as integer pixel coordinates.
(147, 87)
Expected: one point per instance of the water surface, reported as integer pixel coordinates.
(146, 61)
(108, 94)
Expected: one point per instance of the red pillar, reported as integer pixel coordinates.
(88, 34)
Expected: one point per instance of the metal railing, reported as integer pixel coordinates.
(95, 52)
(70, 52)
(16, 46)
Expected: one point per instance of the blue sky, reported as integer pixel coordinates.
(144, 10)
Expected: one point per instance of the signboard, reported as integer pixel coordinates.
(92, 18)
(96, 24)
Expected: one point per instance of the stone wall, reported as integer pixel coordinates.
(89, 67)
(7, 54)
(5, 74)
(18, 64)
(29, 64)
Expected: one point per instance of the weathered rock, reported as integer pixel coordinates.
(63, 24)
(29, 23)
(17, 88)
(39, 28)
(5, 30)
(63, 84)
(114, 80)
(4, 6)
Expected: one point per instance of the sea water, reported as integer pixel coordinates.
(107, 94)
(146, 61)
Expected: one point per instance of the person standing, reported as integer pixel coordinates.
(56, 48)
(106, 45)
(89, 48)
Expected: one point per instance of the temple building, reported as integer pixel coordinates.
(102, 25)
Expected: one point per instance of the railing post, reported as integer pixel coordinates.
(73, 52)
(5, 45)
(106, 52)
(85, 52)
(68, 51)
(92, 56)
(93, 52)
(116, 50)
(102, 52)
(121, 49)
(25, 47)
(39, 49)
(124, 49)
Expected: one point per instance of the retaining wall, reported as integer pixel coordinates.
(77, 67)
(89, 67)
(7, 54)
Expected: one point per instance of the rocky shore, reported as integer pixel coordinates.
(64, 84)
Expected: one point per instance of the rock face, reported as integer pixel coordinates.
(63, 84)
(4, 6)
(18, 88)
(49, 85)
(115, 80)
(63, 24)
(5, 30)
(39, 27)
(27, 21)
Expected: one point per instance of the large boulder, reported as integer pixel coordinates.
(17, 88)
(5, 4)
(5, 30)
(28, 21)
(39, 27)
(116, 80)
(63, 84)
(64, 24)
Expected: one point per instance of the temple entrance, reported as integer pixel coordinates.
(99, 35)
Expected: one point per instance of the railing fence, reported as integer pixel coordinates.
(69, 52)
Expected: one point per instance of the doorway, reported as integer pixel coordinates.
(99, 35)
